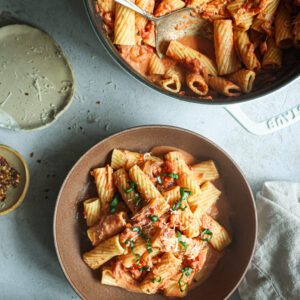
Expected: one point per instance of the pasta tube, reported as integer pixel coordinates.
(178, 162)
(167, 6)
(167, 267)
(144, 185)
(156, 66)
(111, 225)
(127, 159)
(283, 28)
(227, 60)
(263, 21)
(173, 289)
(244, 79)
(124, 30)
(210, 194)
(104, 182)
(103, 252)
(246, 50)
(156, 207)
(146, 5)
(91, 209)
(220, 237)
(223, 86)
(121, 179)
(185, 54)
(106, 5)
(197, 84)
(201, 4)
(242, 17)
(205, 171)
(185, 219)
(124, 278)
(129, 259)
(172, 83)
(107, 276)
(273, 57)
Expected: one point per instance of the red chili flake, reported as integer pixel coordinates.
(39, 161)
(26, 94)
(31, 154)
(98, 102)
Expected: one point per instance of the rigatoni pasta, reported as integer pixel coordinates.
(246, 50)
(197, 84)
(272, 59)
(92, 211)
(103, 252)
(238, 33)
(244, 79)
(224, 86)
(157, 232)
(124, 29)
(283, 28)
(189, 56)
(226, 57)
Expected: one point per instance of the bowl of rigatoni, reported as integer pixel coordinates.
(253, 48)
(84, 232)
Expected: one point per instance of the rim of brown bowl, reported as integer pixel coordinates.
(27, 180)
(136, 128)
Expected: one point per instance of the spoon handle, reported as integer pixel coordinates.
(129, 4)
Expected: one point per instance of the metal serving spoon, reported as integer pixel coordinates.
(174, 25)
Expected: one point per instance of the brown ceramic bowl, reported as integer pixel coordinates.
(69, 233)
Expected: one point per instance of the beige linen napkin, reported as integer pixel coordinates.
(275, 270)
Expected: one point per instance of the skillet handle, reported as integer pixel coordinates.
(270, 125)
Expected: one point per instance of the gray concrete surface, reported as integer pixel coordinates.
(28, 265)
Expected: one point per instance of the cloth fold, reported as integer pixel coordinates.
(275, 269)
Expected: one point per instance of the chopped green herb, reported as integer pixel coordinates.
(143, 236)
(133, 185)
(155, 279)
(187, 271)
(114, 202)
(208, 232)
(182, 208)
(172, 175)
(137, 262)
(184, 244)
(143, 268)
(154, 218)
(183, 196)
(139, 202)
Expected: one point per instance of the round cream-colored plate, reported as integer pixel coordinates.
(14, 196)
(36, 78)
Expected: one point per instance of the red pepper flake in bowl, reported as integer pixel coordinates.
(9, 177)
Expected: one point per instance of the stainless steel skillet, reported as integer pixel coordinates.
(289, 73)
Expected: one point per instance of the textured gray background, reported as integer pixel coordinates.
(28, 265)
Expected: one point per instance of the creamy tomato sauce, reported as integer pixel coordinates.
(219, 211)
(139, 56)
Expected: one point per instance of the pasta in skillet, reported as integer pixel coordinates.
(250, 38)
(152, 225)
